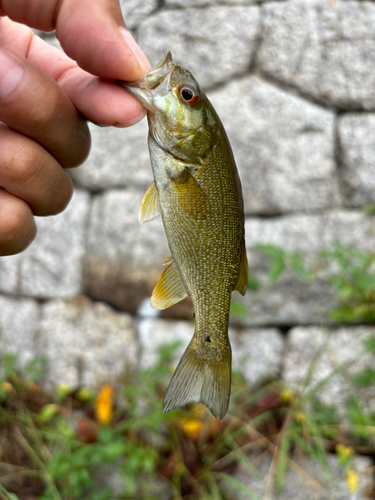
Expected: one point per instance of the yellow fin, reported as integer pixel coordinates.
(200, 380)
(190, 196)
(150, 207)
(169, 289)
(241, 285)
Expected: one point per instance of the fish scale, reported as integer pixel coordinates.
(197, 191)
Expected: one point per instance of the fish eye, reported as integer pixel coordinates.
(189, 95)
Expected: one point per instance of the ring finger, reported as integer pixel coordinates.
(29, 172)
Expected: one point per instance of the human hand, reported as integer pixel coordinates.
(41, 89)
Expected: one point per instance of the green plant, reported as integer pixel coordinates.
(58, 445)
(354, 282)
(351, 273)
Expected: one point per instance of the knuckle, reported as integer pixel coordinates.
(17, 229)
(61, 198)
(20, 161)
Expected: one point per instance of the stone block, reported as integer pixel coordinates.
(154, 333)
(215, 43)
(356, 133)
(294, 299)
(118, 158)
(124, 259)
(134, 11)
(334, 355)
(52, 265)
(86, 344)
(283, 146)
(325, 49)
(206, 3)
(19, 326)
(256, 352)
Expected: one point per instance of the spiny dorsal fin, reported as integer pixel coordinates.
(169, 289)
(199, 380)
(150, 207)
(241, 285)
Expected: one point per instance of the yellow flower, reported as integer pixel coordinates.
(191, 426)
(299, 417)
(104, 404)
(84, 394)
(63, 390)
(352, 480)
(286, 396)
(47, 412)
(344, 451)
(6, 387)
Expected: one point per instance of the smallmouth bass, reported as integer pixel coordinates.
(198, 193)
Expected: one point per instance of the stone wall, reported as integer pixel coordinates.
(294, 84)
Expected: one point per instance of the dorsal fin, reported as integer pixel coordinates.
(241, 284)
(150, 207)
(169, 289)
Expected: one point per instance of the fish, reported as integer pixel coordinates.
(197, 192)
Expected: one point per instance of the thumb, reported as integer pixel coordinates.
(93, 33)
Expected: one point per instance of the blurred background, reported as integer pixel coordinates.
(294, 84)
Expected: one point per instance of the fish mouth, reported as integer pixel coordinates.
(156, 81)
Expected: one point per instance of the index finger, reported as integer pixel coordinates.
(91, 32)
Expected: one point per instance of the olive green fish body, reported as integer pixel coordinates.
(198, 193)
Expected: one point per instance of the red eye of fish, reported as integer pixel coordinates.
(189, 95)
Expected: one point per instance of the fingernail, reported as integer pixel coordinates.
(11, 73)
(136, 50)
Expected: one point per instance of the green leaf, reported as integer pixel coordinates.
(9, 363)
(359, 418)
(369, 209)
(277, 256)
(276, 270)
(104, 494)
(47, 412)
(298, 266)
(253, 283)
(7, 494)
(238, 309)
(283, 459)
(365, 377)
(35, 369)
(237, 485)
(369, 345)
(114, 450)
(105, 434)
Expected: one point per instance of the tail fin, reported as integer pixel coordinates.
(199, 380)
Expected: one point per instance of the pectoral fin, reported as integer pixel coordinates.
(150, 207)
(241, 285)
(169, 289)
(191, 197)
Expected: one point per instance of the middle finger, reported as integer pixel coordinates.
(33, 104)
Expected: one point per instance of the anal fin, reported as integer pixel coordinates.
(150, 207)
(241, 284)
(169, 289)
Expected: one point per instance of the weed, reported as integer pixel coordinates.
(117, 444)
